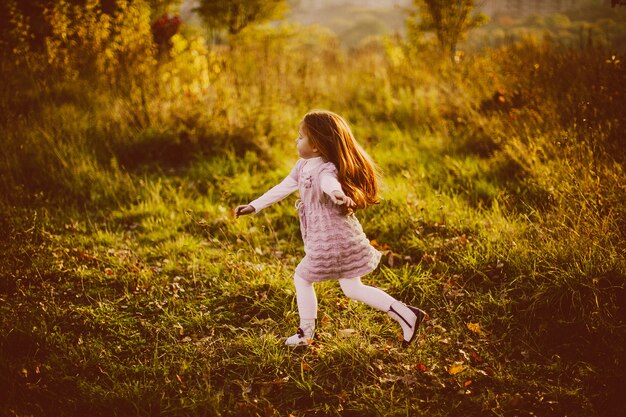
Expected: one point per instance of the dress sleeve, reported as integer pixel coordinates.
(328, 178)
(279, 191)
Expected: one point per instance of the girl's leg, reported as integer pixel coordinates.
(408, 317)
(307, 309)
(306, 298)
(374, 297)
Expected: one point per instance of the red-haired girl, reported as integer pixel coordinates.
(335, 177)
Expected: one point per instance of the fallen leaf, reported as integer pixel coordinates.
(475, 358)
(343, 397)
(389, 378)
(380, 246)
(346, 332)
(474, 327)
(305, 367)
(421, 367)
(456, 368)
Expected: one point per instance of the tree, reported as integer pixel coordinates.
(450, 20)
(235, 15)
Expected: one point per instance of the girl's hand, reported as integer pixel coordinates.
(340, 198)
(243, 210)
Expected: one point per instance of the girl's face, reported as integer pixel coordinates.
(305, 149)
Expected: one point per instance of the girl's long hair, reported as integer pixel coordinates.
(331, 135)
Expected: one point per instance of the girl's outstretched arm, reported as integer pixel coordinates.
(243, 210)
(275, 194)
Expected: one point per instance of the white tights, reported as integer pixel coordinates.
(351, 287)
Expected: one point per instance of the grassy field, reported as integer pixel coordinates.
(129, 288)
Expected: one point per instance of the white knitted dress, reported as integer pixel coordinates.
(334, 243)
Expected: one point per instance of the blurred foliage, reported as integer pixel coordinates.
(351, 23)
(31, 13)
(592, 23)
(450, 21)
(86, 41)
(236, 15)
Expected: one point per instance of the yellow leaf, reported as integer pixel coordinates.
(474, 327)
(456, 368)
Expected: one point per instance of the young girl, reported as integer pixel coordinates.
(335, 177)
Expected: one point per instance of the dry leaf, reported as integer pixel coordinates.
(421, 367)
(474, 327)
(346, 332)
(456, 368)
(475, 358)
(380, 246)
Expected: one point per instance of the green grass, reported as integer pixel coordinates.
(129, 288)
